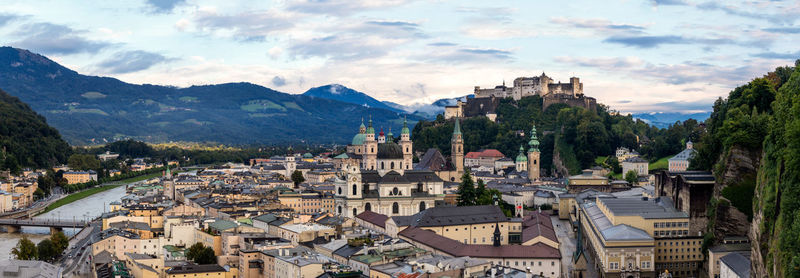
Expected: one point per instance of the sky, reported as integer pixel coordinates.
(634, 56)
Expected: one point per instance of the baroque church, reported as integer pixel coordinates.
(378, 174)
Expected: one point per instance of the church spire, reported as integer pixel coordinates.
(457, 128)
(534, 142)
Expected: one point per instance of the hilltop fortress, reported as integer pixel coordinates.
(486, 100)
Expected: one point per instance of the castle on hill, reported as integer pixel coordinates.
(486, 101)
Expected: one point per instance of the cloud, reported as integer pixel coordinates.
(756, 10)
(6, 18)
(783, 30)
(655, 41)
(460, 54)
(357, 41)
(341, 47)
(687, 72)
(607, 63)
(776, 55)
(246, 26)
(601, 26)
(669, 3)
(339, 7)
(131, 61)
(164, 6)
(51, 38)
(278, 81)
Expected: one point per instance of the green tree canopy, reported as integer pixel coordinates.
(631, 176)
(466, 190)
(201, 254)
(297, 177)
(46, 251)
(25, 249)
(83, 162)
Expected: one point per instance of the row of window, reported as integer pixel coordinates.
(682, 243)
(475, 228)
(682, 257)
(671, 233)
(677, 250)
(671, 225)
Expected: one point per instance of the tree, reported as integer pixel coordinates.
(613, 162)
(297, 177)
(60, 241)
(631, 176)
(25, 249)
(201, 254)
(83, 162)
(46, 251)
(466, 190)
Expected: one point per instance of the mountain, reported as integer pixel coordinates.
(664, 119)
(25, 138)
(92, 109)
(344, 94)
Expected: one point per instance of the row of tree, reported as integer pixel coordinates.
(470, 195)
(47, 250)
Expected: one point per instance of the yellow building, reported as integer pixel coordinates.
(639, 237)
(587, 180)
(80, 177)
(307, 202)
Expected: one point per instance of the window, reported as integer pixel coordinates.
(340, 191)
(395, 191)
(395, 208)
(355, 189)
(392, 165)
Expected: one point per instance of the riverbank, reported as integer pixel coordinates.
(94, 190)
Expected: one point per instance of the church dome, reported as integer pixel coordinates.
(359, 139)
(390, 150)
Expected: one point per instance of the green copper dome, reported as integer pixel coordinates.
(370, 129)
(359, 139)
(390, 136)
(521, 156)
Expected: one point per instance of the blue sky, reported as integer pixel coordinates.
(635, 56)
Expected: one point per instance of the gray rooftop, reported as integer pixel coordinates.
(738, 263)
(661, 207)
(608, 230)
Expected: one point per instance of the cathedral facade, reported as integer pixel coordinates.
(380, 176)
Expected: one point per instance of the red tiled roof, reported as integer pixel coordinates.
(374, 218)
(458, 249)
(485, 153)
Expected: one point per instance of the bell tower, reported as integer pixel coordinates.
(371, 148)
(407, 145)
(457, 148)
(533, 156)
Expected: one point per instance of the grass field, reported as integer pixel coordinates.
(600, 160)
(662, 163)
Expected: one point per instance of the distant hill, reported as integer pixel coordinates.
(344, 94)
(92, 109)
(25, 138)
(664, 119)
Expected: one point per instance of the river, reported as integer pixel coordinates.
(86, 208)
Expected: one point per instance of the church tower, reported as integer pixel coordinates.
(371, 148)
(169, 185)
(521, 161)
(381, 137)
(457, 148)
(407, 145)
(533, 156)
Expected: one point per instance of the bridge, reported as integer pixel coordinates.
(14, 225)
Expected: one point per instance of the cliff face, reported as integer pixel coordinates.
(775, 231)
